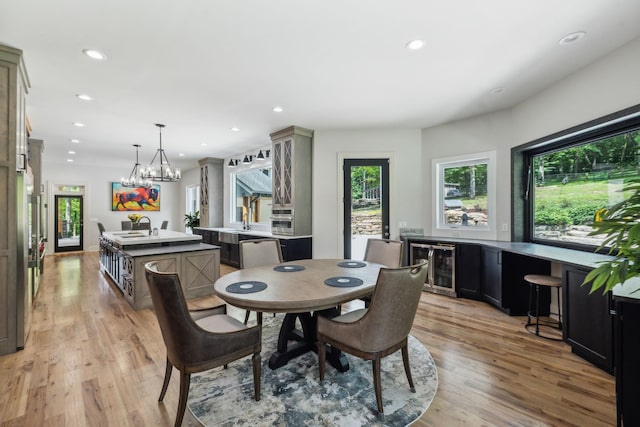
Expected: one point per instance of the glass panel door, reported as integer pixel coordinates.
(366, 204)
(68, 223)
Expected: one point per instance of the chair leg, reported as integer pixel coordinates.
(185, 379)
(322, 354)
(167, 377)
(257, 369)
(377, 385)
(407, 368)
(246, 317)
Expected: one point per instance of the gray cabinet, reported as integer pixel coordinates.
(15, 300)
(291, 181)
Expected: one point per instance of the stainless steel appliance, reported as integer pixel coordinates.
(282, 221)
(442, 259)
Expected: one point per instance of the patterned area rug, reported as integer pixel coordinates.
(293, 396)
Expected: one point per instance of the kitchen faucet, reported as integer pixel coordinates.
(245, 221)
(148, 219)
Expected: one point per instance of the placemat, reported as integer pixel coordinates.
(343, 282)
(288, 268)
(352, 264)
(246, 287)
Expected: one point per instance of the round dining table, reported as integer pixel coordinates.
(302, 289)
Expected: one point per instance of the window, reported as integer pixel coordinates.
(251, 196)
(465, 193)
(193, 199)
(571, 175)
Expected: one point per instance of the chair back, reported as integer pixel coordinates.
(393, 306)
(126, 225)
(177, 326)
(164, 225)
(258, 252)
(384, 251)
(101, 228)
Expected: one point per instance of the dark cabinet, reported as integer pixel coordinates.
(294, 249)
(492, 276)
(588, 321)
(467, 273)
(627, 351)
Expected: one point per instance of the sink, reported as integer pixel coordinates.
(228, 237)
(130, 235)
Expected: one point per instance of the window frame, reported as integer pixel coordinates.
(439, 227)
(617, 123)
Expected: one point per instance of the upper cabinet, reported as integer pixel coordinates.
(291, 181)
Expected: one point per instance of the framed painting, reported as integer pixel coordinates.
(134, 198)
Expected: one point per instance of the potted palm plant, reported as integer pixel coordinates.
(192, 220)
(620, 224)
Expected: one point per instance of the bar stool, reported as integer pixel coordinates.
(537, 280)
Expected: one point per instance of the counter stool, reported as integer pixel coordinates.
(537, 280)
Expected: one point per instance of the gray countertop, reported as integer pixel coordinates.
(629, 291)
(142, 237)
(550, 253)
(256, 233)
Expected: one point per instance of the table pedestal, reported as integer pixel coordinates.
(305, 341)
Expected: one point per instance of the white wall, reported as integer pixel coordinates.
(402, 146)
(605, 86)
(97, 201)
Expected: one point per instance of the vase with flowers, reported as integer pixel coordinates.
(134, 218)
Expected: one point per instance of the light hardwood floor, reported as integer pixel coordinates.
(92, 360)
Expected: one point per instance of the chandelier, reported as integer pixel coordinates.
(135, 177)
(164, 172)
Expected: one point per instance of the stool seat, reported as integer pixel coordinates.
(539, 279)
(535, 281)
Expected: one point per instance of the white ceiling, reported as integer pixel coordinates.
(204, 66)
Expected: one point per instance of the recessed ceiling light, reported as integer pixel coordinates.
(78, 124)
(204, 144)
(497, 90)
(181, 154)
(71, 152)
(572, 38)
(70, 160)
(75, 141)
(94, 54)
(415, 45)
(84, 97)
(235, 129)
(277, 109)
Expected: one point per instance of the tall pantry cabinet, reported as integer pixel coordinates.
(291, 152)
(14, 299)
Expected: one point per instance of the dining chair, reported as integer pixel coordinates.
(164, 225)
(383, 251)
(126, 225)
(381, 329)
(259, 252)
(198, 340)
(101, 228)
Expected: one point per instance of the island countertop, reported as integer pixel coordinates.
(142, 237)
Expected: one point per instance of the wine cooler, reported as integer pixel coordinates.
(441, 259)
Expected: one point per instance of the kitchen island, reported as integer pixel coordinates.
(123, 255)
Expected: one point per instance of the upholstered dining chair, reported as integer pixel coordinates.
(383, 251)
(381, 329)
(164, 225)
(126, 225)
(101, 228)
(259, 252)
(198, 340)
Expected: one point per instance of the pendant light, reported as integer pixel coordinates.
(135, 177)
(164, 172)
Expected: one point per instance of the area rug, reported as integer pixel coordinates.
(293, 395)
